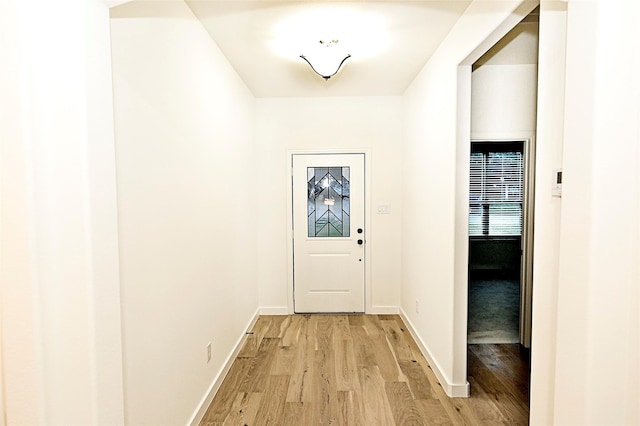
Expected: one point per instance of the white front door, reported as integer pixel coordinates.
(329, 233)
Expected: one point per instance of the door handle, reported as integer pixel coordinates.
(360, 242)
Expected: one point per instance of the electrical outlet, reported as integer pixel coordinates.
(208, 352)
(417, 306)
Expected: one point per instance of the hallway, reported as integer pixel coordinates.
(359, 369)
(146, 211)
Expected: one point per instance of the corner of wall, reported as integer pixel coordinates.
(206, 400)
(453, 390)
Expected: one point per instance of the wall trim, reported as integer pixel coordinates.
(198, 415)
(451, 389)
(284, 310)
(274, 310)
(384, 310)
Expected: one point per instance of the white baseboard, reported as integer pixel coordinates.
(197, 417)
(451, 389)
(284, 310)
(384, 310)
(375, 310)
(274, 310)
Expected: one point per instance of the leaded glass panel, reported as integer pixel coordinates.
(328, 201)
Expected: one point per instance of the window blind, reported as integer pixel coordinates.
(495, 193)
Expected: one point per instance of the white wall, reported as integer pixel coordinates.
(503, 101)
(504, 86)
(294, 124)
(21, 367)
(23, 399)
(60, 294)
(550, 129)
(598, 328)
(434, 254)
(186, 208)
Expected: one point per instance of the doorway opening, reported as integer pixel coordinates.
(496, 213)
(500, 232)
(498, 300)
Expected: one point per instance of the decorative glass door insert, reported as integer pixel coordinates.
(328, 201)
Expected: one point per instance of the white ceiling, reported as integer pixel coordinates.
(390, 41)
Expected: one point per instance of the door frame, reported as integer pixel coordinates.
(367, 222)
(528, 201)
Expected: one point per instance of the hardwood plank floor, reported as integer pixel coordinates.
(360, 370)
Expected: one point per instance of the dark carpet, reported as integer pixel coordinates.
(494, 311)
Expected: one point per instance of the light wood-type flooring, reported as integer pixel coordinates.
(360, 370)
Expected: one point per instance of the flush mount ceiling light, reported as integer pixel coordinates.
(326, 58)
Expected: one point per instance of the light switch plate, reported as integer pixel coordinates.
(383, 209)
